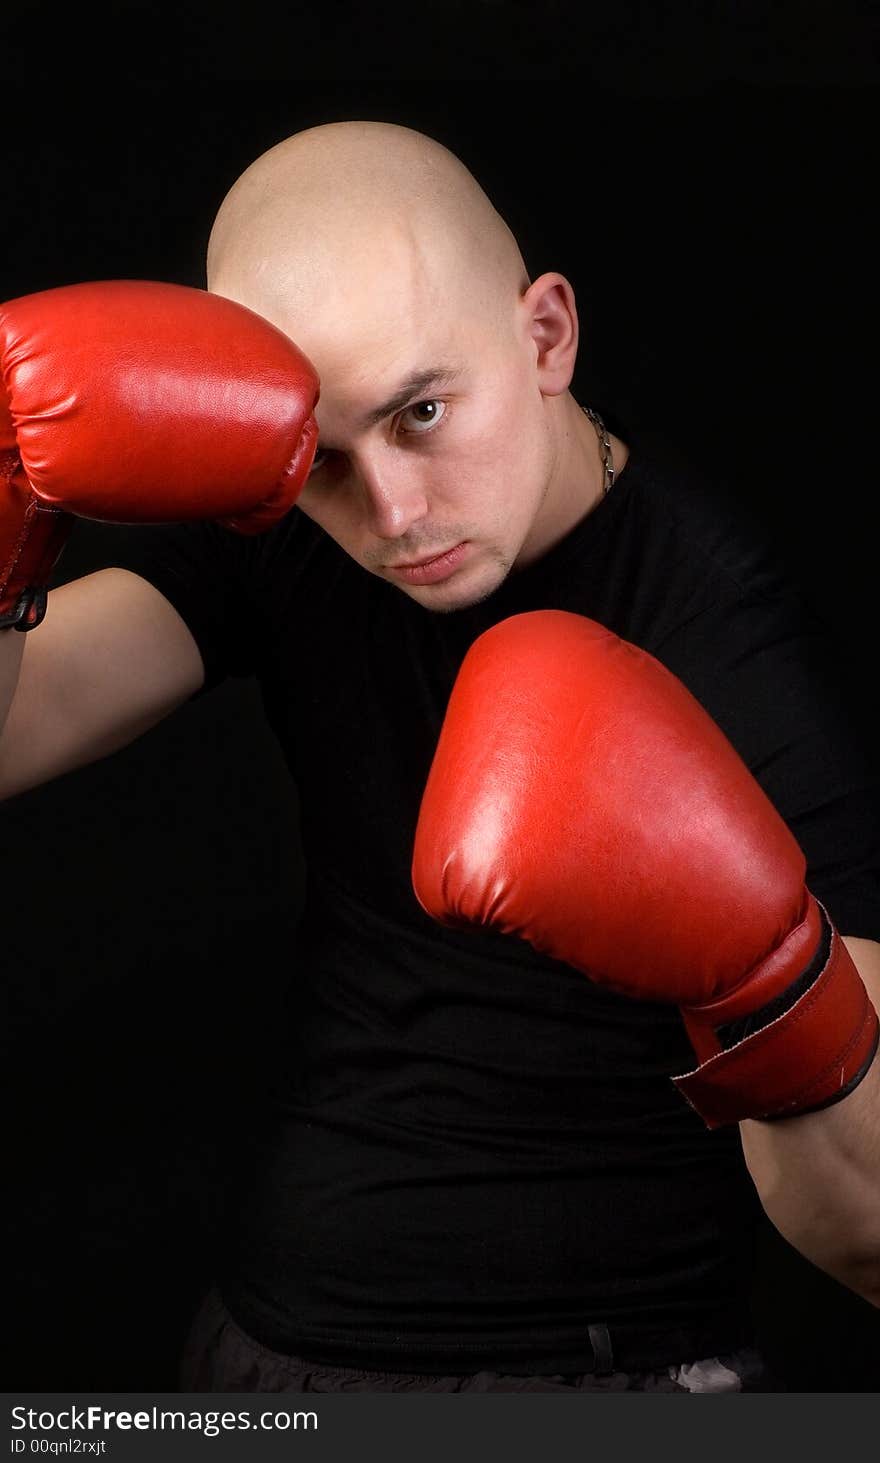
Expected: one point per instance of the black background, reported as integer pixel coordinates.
(705, 179)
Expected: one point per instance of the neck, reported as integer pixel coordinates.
(577, 482)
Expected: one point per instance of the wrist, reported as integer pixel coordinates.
(797, 1035)
(32, 536)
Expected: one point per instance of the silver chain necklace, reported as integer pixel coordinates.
(605, 445)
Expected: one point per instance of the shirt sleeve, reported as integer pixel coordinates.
(772, 676)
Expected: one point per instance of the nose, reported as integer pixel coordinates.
(393, 495)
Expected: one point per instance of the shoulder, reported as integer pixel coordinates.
(711, 517)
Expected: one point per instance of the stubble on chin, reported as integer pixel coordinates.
(470, 596)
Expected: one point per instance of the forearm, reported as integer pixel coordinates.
(818, 1175)
(11, 649)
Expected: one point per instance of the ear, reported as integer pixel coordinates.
(550, 319)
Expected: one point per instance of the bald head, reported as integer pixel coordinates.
(447, 431)
(350, 231)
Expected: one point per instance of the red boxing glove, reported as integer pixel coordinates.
(581, 797)
(134, 401)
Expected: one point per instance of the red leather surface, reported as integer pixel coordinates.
(581, 798)
(140, 401)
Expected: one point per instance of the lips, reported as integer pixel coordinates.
(420, 563)
(434, 568)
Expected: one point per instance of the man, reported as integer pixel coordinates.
(475, 1171)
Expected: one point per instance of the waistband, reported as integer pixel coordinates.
(598, 1346)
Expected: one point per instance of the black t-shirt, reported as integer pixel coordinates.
(469, 1152)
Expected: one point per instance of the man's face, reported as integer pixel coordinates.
(432, 442)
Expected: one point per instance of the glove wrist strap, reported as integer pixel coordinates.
(32, 536)
(814, 1041)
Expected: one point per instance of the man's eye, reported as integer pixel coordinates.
(427, 414)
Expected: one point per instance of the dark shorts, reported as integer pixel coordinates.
(219, 1356)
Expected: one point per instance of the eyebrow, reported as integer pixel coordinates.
(413, 387)
(409, 390)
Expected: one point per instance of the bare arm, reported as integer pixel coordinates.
(111, 658)
(11, 650)
(818, 1175)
